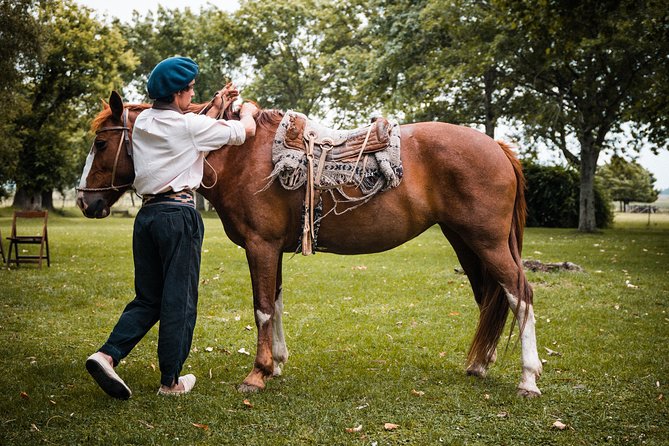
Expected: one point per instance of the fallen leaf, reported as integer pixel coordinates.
(559, 425)
(248, 404)
(201, 426)
(34, 428)
(442, 354)
(362, 407)
(243, 351)
(153, 367)
(354, 429)
(503, 414)
(145, 424)
(417, 392)
(248, 328)
(552, 352)
(630, 284)
(390, 426)
(486, 396)
(25, 396)
(454, 313)
(660, 397)
(360, 268)
(209, 349)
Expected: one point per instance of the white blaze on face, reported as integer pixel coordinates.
(87, 169)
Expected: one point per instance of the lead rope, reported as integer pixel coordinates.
(220, 115)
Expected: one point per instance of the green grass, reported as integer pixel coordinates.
(364, 333)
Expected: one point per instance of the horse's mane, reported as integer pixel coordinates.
(266, 118)
(106, 114)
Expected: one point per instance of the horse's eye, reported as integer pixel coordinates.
(100, 144)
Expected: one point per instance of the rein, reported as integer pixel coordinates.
(128, 147)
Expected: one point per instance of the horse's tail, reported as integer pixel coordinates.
(494, 304)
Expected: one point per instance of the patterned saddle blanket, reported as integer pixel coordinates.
(368, 157)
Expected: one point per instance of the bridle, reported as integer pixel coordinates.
(128, 147)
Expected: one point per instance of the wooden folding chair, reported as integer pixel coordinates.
(41, 238)
(2, 250)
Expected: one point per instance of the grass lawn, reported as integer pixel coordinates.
(373, 339)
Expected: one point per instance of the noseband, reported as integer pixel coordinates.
(128, 147)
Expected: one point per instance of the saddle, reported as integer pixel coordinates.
(339, 145)
(325, 159)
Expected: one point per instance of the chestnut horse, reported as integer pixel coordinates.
(456, 177)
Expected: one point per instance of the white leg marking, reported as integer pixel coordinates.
(528, 343)
(262, 317)
(279, 349)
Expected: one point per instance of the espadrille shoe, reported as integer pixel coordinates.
(187, 381)
(103, 373)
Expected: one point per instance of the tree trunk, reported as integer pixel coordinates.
(47, 200)
(586, 214)
(489, 88)
(27, 199)
(199, 202)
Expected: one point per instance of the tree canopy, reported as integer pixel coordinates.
(581, 78)
(627, 181)
(78, 61)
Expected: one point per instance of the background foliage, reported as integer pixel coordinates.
(552, 197)
(582, 79)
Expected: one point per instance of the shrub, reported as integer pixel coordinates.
(553, 198)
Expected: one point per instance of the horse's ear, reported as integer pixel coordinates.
(116, 104)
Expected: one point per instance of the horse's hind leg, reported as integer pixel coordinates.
(518, 293)
(473, 268)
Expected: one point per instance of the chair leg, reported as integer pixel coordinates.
(9, 254)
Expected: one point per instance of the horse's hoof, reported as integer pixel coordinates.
(247, 388)
(276, 371)
(478, 371)
(527, 393)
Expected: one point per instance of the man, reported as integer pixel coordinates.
(169, 146)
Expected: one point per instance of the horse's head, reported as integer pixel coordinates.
(109, 170)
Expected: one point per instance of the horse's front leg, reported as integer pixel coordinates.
(263, 260)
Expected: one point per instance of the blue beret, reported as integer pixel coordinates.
(171, 75)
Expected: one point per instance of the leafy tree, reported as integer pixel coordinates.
(429, 60)
(79, 61)
(279, 40)
(204, 37)
(587, 70)
(627, 182)
(18, 45)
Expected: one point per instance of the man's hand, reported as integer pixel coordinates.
(226, 96)
(246, 116)
(248, 109)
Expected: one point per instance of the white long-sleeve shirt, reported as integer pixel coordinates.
(169, 148)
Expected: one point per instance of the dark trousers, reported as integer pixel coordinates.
(166, 246)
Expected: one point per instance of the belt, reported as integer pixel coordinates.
(183, 197)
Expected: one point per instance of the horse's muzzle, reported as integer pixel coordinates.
(92, 205)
